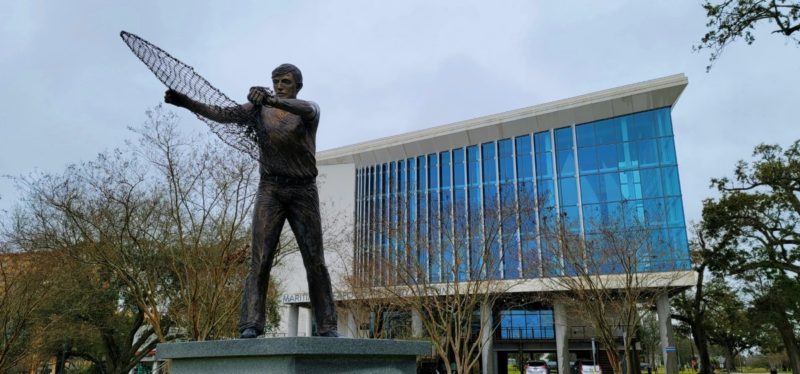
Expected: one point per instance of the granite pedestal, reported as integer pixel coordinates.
(294, 355)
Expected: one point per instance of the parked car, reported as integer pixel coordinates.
(585, 367)
(537, 367)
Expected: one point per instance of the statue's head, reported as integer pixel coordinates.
(287, 80)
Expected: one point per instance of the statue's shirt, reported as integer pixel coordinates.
(288, 149)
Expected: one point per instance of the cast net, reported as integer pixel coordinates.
(183, 79)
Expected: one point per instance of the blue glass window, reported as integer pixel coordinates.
(566, 163)
(570, 216)
(372, 221)
(433, 174)
(448, 273)
(434, 251)
(592, 217)
(597, 216)
(460, 212)
(631, 185)
(590, 189)
(608, 131)
(634, 213)
(518, 324)
(642, 126)
(422, 205)
(563, 138)
(587, 160)
(445, 171)
(648, 153)
(666, 148)
(524, 163)
(544, 165)
(412, 211)
(459, 171)
(584, 135)
(531, 264)
(489, 163)
(672, 186)
(446, 206)
(607, 159)
(506, 160)
(628, 154)
(491, 211)
(473, 166)
(475, 208)
(674, 211)
(568, 191)
(392, 232)
(541, 142)
(679, 242)
(611, 187)
(401, 212)
(651, 183)
(663, 122)
(384, 219)
(547, 193)
(654, 211)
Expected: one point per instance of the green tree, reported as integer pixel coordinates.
(91, 317)
(730, 20)
(776, 302)
(695, 307)
(23, 288)
(760, 207)
(729, 325)
(650, 337)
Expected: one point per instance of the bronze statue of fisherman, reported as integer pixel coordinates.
(286, 129)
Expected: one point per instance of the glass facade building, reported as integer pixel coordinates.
(442, 209)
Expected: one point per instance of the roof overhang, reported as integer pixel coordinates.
(632, 98)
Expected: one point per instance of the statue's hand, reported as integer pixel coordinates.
(175, 98)
(261, 96)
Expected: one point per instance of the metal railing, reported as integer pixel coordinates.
(526, 333)
(548, 333)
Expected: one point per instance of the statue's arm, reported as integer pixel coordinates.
(307, 110)
(232, 114)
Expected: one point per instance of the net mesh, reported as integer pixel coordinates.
(183, 79)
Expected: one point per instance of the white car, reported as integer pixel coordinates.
(585, 367)
(537, 367)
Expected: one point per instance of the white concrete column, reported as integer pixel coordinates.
(156, 367)
(488, 363)
(352, 326)
(305, 319)
(291, 319)
(416, 324)
(562, 344)
(668, 348)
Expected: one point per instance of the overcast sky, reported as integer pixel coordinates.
(69, 87)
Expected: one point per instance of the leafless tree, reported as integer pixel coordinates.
(609, 275)
(438, 268)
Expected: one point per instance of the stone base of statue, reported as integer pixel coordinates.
(294, 355)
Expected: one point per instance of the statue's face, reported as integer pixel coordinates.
(284, 85)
